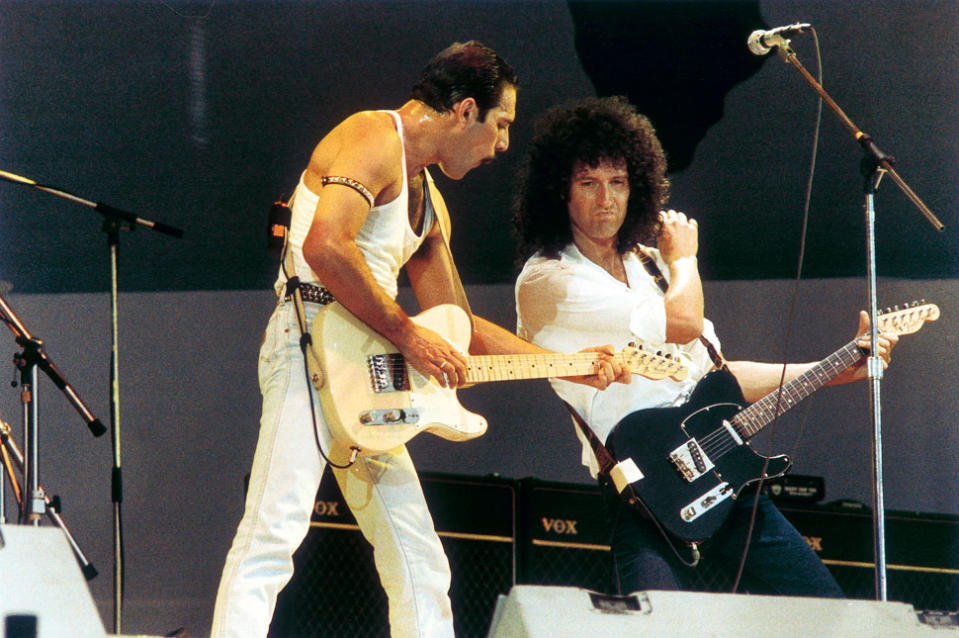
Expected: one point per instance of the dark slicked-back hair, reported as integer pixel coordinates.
(462, 70)
(589, 132)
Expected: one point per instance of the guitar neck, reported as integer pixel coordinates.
(751, 420)
(507, 367)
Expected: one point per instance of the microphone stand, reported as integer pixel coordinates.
(29, 362)
(11, 455)
(33, 502)
(114, 220)
(874, 165)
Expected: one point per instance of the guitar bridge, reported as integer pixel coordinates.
(689, 459)
(388, 373)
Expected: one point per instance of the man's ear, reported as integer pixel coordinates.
(466, 110)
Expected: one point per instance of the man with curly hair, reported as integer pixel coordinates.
(588, 216)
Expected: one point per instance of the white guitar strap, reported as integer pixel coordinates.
(443, 219)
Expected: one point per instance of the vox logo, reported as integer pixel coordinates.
(815, 542)
(326, 508)
(560, 525)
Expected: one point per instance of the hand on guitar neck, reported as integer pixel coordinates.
(886, 342)
(758, 379)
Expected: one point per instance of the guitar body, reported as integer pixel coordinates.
(692, 506)
(371, 398)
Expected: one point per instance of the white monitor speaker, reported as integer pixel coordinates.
(533, 611)
(41, 586)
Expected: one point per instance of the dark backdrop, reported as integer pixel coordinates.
(200, 114)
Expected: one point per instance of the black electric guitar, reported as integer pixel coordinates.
(373, 401)
(686, 465)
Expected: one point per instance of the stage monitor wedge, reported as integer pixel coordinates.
(41, 579)
(531, 611)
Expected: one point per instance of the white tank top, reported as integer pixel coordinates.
(386, 239)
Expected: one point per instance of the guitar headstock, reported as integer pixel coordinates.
(908, 319)
(652, 366)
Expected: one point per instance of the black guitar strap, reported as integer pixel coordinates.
(606, 460)
(650, 264)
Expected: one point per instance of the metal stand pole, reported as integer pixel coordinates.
(874, 369)
(112, 228)
(33, 505)
(875, 160)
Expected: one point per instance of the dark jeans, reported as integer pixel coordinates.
(779, 562)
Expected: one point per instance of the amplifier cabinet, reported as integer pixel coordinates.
(922, 552)
(564, 538)
(335, 590)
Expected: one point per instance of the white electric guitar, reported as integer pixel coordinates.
(373, 401)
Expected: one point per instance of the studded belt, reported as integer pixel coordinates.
(315, 294)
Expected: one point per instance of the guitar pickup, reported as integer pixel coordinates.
(706, 502)
(387, 373)
(690, 460)
(393, 416)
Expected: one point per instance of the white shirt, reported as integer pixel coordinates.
(571, 303)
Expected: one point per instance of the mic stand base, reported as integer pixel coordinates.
(11, 452)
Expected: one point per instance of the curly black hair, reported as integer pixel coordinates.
(589, 131)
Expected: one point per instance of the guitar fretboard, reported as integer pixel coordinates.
(483, 368)
(751, 420)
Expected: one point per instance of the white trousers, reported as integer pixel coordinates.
(383, 492)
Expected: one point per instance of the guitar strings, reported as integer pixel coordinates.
(395, 363)
(720, 442)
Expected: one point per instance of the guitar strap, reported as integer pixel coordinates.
(621, 474)
(650, 264)
(606, 460)
(435, 199)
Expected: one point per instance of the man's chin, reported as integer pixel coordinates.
(455, 176)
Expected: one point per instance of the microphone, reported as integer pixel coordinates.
(761, 42)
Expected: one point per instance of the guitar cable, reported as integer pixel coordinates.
(789, 318)
(279, 227)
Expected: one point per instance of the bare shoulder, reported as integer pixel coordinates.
(365, 146)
